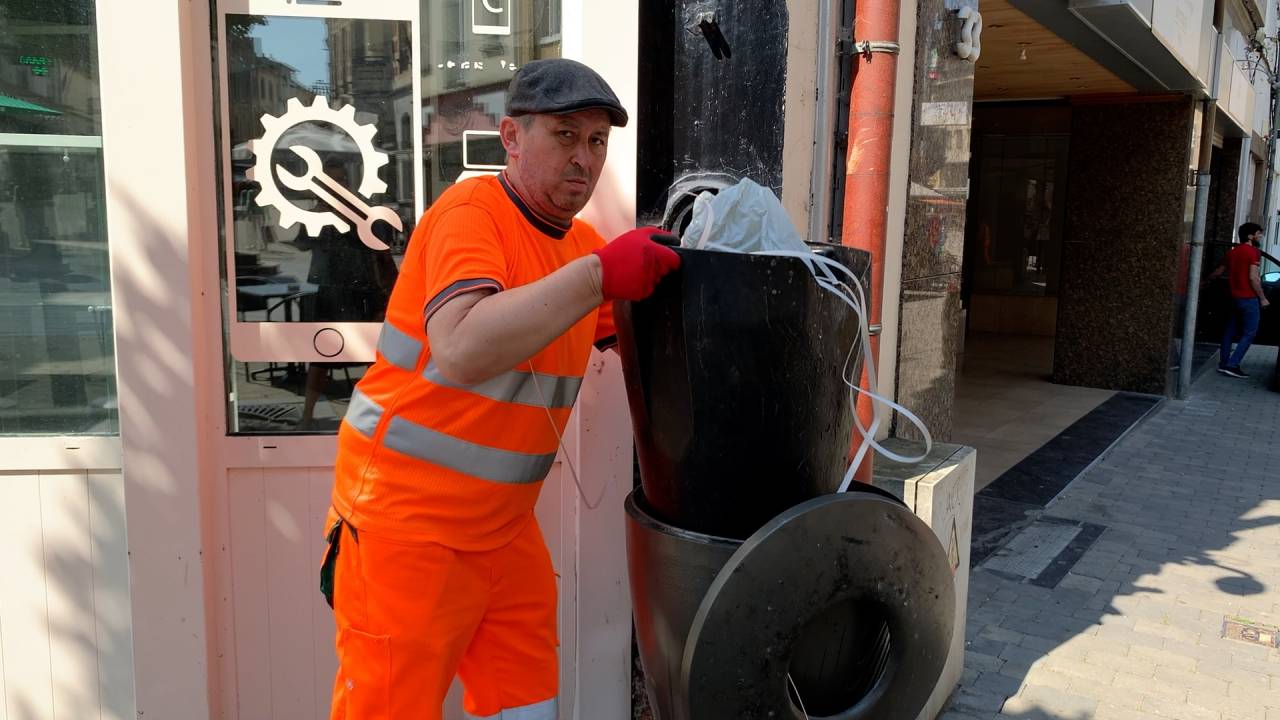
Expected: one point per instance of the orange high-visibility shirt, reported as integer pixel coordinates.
(423, 459)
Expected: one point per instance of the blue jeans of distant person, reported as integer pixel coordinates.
(1244, 319)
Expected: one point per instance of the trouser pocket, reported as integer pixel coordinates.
(333, 538)
(364, 674)
(330, 562)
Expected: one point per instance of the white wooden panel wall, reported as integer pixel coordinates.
(557, 518)
(65, 631)
(283, 630)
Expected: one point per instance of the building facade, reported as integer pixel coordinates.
(1070, 241)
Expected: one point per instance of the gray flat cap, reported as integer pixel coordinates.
(556, 86)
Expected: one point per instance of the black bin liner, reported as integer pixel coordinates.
(734, 377)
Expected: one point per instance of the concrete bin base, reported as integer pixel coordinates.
(939, 490)
(849, 599)
(672, 569)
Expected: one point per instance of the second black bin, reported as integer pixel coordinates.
(734, 378)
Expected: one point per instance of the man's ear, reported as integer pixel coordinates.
(509, 130)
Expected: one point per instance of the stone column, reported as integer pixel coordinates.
(929, 331)
(1126, 226)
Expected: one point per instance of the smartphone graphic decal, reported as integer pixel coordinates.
(320, 173)
(491, 17)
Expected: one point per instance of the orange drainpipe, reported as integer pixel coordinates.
(875, 34)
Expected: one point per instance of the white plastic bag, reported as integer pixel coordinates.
(745, 218)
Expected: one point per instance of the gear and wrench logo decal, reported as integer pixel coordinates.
(352, 207)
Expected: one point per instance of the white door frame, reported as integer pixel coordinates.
(155, 129)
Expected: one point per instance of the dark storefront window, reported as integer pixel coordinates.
(1017, 217)
(1014, 231)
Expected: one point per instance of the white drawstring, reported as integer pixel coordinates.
(800, 700)
(824, 272)
(573, 471)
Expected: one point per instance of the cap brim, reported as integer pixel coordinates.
(617, 116)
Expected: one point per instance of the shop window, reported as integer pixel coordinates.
(474, 51)
(469, 52)
(57, 358)
(1017, 215)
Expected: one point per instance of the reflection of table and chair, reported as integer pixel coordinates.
(319, 375)
(271, 294)
(66, 363)
(268, 294)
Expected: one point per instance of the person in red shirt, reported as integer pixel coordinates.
(436, 566)
(1242, 266)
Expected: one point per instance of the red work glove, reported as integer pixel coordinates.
(633, 264)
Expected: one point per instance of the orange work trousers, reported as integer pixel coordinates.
(412, 616)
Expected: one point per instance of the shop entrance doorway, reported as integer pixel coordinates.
(1005, 403)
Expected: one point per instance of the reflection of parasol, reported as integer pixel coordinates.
(322, 139)
(12, 103)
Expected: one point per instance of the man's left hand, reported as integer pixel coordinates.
(633, 263)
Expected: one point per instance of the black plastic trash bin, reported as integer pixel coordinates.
(734, 378)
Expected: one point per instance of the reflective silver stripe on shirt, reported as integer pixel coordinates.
(517, 387)
(363, 414)
(545, 710)
(399, 348)
(504, 466)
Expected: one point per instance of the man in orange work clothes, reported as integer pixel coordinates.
(436, 565)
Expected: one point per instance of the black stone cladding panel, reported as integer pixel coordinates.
(930, 329)
(699, 112)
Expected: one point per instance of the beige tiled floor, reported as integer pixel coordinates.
(1005, 405)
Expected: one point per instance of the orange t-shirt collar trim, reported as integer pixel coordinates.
(541, 224)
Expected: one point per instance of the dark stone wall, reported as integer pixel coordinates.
(1126, 223)
(1222, 192)
(1220, 224)
(929, 333)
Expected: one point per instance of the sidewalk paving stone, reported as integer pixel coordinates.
(1190, 503)
(1040, 697)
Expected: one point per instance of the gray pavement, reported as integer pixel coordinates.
(1190, 501)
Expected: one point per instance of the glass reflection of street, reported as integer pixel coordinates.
(57, 355)
(360, 70)
(293, 275)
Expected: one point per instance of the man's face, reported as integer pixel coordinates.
(1256, 239)
(558, 159)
